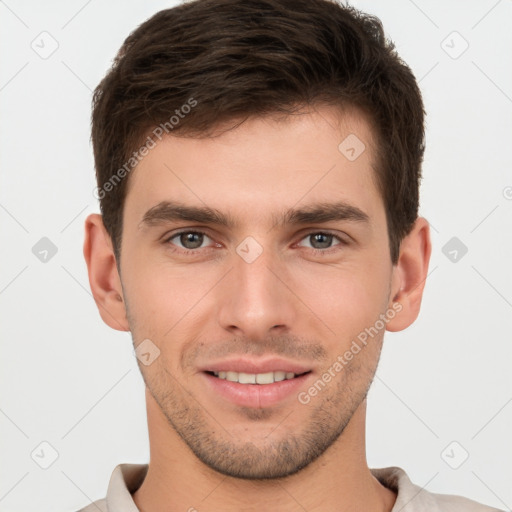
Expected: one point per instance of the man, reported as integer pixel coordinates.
(258, 166)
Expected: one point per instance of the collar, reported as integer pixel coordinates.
(127, 478)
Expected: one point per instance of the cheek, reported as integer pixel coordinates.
(163, 299)
(150, 297)
(347, 299)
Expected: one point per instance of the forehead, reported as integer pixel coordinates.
(263, 167)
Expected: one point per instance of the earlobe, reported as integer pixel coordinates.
(103, 274)
(409, 275)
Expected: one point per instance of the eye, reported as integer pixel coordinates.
(189, 240)
(320, 241)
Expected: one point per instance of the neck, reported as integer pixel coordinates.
(338, 481)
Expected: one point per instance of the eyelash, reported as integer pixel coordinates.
(317, 252)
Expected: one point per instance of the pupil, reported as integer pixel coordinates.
(191, 240)
(318, 238)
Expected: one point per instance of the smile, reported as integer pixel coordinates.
(255, 390)
(255, 378)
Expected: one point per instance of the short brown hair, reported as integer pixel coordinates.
(227, 59)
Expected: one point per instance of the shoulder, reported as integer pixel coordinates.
(125, 479)
(96, 506)
(412, 498)
(460, 504)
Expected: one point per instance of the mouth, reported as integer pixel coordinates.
(263, 387)
(262, 379)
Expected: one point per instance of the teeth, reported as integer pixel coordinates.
(255, 378)
(278, 376)
(265, 378)
(232, 376)
(247, 378)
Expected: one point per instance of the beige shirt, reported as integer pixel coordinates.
(127, 478)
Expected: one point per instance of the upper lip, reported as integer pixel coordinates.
(241, 365)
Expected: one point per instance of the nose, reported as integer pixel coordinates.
(255, 300)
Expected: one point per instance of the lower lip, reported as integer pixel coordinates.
(256, 395)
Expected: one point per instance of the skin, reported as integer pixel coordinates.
(207, 453)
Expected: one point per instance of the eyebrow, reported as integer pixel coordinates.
(168, 211)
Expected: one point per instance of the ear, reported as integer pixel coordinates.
(103, 275)
(409, 275)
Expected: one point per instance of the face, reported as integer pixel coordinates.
(256, 262)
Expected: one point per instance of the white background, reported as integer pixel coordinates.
(69, 380)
